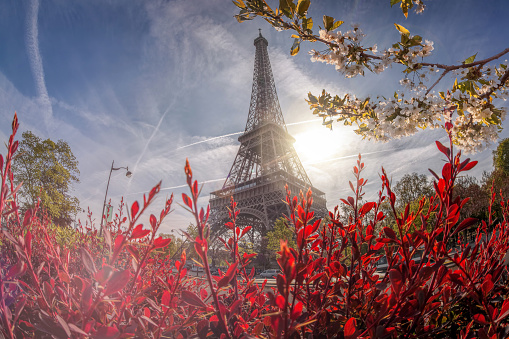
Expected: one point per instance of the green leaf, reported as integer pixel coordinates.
(307, 24)
(336, 25)
(405, 6)
(295, 47)
(393, 2)
(402, 29)
(328, 22)
(284, 6)
(303, 6)
(327, 123)
(239, 3)
(469, 60)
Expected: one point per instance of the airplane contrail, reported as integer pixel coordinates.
(180, 186)
(237, 133)
(207, 140)
(303, 122)
(35, 59)
(148, 142)
(349, 156)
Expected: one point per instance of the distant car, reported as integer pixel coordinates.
(197, 269)
(214, 271)
(270, 273)
(382, 264)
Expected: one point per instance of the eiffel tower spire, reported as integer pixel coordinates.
(264, 105)
(266, 160)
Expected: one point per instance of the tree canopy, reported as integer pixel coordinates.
(471, 103)
(412, 187)
(501, 157)
(281, 231)
(48, 171)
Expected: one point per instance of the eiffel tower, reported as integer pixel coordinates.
(265, 163)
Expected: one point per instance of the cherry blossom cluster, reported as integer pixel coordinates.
(468, 105)
(349, 58)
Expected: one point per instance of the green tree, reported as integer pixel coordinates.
(280, 232)
(409, 190)
(471, 101)
(48, 171)
(412, 187)
(501, 157)
(498, 179)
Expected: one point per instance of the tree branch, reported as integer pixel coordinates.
(503, 79)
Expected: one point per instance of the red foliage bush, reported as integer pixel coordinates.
(121, 285)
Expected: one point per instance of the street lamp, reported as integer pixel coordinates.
(127, 174)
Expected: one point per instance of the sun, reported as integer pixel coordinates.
(318, 144)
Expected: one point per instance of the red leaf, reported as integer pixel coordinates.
(350, 328)
(16, 270)
(280, 302)
(396, 279)
(104, 274)
(87, 260)
(64, 325)
(367, 207)
(139, 232)
(192, 299)
(195, 188)
(154, 191)
(119, 243)
(153, 221)
(165, 300)
(469, 166)
(27, 218)
(76, 329)
(446, 171)
(442, 148)
(480, 319)
(86, 298)
(134, 252)
(245, 230)
(134, 209)
(28, 243)
(228, 275)
(504, 311)
(223, 281)
(161, 242)
(106, 332)
(389, 232)
(187, 200)
(487, 285)
(465, 224)
(117, 282)
(297, 311)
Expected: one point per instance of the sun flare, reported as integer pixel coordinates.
(318, 144)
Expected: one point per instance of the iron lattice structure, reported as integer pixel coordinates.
(266, 161)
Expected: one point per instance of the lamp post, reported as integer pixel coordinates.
(127, 174)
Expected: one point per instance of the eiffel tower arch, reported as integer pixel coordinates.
(265, 163)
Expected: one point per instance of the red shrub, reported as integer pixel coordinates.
(123, 286)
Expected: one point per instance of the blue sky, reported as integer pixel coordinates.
(139, 82)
